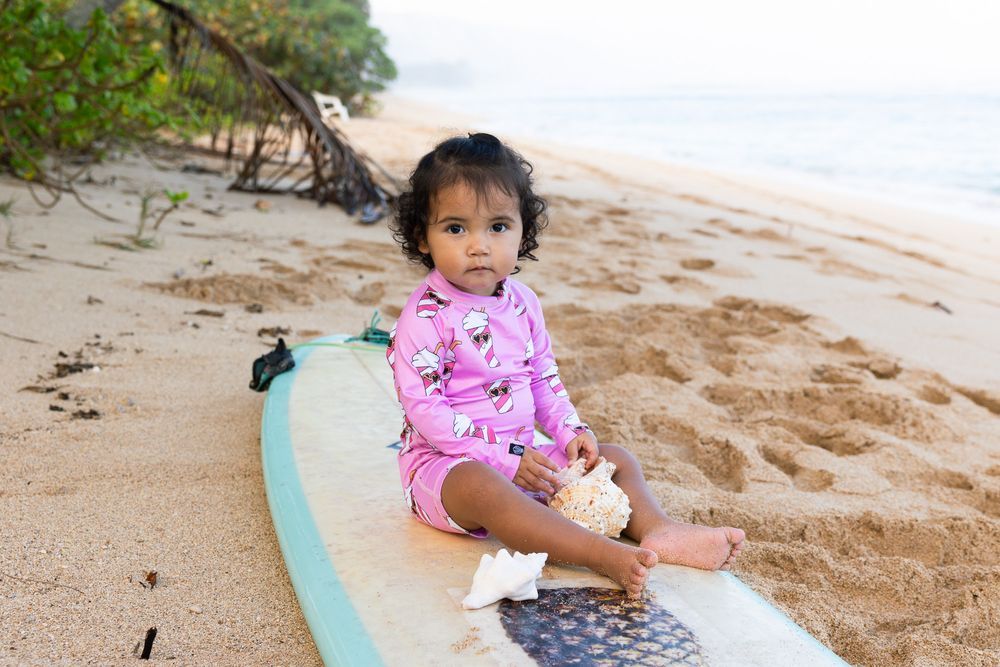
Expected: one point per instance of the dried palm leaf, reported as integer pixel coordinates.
(273, 128)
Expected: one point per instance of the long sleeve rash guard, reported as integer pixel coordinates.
(473, 374)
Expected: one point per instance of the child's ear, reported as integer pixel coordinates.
(423, 247)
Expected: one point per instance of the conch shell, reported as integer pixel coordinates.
(505, 576)
(592, 499)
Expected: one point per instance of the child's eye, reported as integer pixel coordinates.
(499, 227)
(454, 229)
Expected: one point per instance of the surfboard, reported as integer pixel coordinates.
(377, 587)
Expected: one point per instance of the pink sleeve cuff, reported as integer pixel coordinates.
(567, 433)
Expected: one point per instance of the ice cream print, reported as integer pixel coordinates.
(477, 324)
(501, 395)
(426, 363)
(431, 302)
(464, 427)
(449, 362)
(572, 421)
(551, 375)
(529, 350)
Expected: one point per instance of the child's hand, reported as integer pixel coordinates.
(535, 473)
(584, 445)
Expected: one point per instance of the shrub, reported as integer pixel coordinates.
(67, 93)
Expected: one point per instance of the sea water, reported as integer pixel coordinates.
(933, 151)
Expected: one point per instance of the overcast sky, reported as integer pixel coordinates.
(543, 47)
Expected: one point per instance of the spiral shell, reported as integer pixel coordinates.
(592, 500)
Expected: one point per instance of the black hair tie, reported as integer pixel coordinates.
(484, 138)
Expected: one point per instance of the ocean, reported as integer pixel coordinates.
(932, 151)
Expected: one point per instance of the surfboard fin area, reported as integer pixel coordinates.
(377, 587)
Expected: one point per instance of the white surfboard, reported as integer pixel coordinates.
(378, 587)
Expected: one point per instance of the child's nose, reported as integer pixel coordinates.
(479, 245)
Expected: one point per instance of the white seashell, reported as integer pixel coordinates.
(505, 576)
(592, 500)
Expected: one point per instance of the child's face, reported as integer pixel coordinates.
(473, 240)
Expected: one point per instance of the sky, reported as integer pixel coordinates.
(552, 47)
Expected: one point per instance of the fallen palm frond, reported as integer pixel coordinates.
(271, 127)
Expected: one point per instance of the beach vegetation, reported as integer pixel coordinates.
(69, 96)
(75, 88)
(322, 45)
(6, 213)
(148, 211)
(6, 208)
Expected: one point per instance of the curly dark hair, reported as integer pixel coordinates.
(485, 164)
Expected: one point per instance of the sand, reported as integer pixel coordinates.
(818, 369)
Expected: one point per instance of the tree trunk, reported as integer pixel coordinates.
(78, 15)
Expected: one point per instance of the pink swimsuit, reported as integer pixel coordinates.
(473, 374)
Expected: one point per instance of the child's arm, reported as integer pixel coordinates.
(417, 367)
(553, 409)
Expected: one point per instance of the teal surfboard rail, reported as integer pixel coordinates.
(338, 632)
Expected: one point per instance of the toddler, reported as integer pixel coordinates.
(474, 371)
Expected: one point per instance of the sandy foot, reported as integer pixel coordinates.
(627, 566)
(696, 546)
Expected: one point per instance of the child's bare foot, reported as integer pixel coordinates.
(695, 546)
(627, 566)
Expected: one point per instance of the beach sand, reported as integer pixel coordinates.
(819, 370)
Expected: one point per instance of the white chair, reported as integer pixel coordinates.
(330, 105)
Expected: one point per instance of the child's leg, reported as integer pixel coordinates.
(673, 541)
(475, 495)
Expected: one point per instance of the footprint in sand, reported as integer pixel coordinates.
(934, 395)
(773, 311)
(883, 369)
(847, 345)
(295, 287)
(840, 268)
(835, 374)
(369, 294)
(983, 496)
(840, 440)
(684, 282)
(980, 397)
(697, 264)
(616, 210)
(783, 457)
(722, 462)
(950, 479)
(834, 405)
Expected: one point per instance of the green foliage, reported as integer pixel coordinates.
(146, 212)
(324, 45)
(65, 92)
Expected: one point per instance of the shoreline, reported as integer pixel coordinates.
(938, 205)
